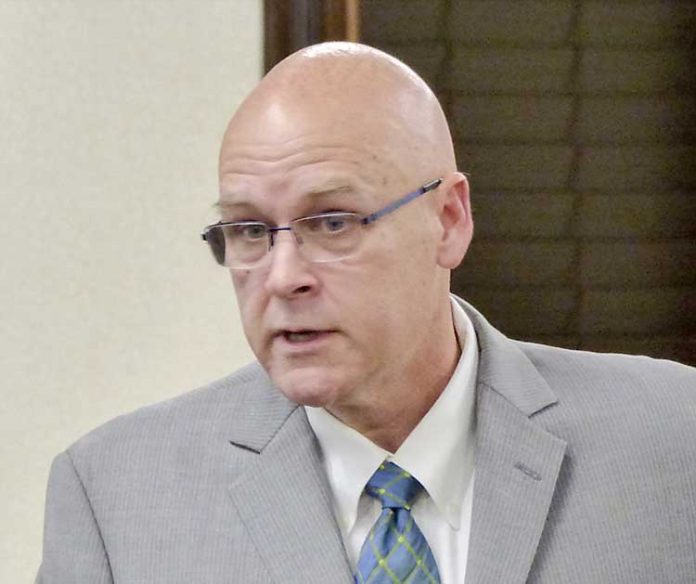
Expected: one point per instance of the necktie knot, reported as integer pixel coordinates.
(393, 486)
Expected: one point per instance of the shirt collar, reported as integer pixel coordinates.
(438, 452)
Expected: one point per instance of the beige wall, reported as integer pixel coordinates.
(110, 118)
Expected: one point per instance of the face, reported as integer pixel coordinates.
(330, 333)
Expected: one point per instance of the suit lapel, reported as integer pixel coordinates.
(516, 460)
(283, 497)
(517, 465)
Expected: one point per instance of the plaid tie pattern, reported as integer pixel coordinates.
(395, 551)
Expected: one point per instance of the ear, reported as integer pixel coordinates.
(456, 222)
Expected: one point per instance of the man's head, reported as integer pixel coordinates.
(344, 127)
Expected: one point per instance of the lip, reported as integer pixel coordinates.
(310, 344)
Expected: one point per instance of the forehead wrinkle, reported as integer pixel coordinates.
(237, 200)
(317, 172)
(254, 149)
(243, 159)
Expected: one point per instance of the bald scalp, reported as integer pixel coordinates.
(351, 92)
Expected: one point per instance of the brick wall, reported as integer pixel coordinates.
(577, 122)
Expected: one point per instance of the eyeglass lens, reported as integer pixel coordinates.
(322, 238)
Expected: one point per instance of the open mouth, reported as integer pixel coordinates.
(302, 336)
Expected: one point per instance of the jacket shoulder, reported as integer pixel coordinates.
(567, 368)
(206, 412)
(633, 404)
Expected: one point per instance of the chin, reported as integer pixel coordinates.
(309, 386)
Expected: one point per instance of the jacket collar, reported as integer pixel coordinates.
(505, 369)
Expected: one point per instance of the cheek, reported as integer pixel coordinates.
(248, 286)
(368, 300)
(240, 285)
(240, 279)
(248, 301)
(399, 283)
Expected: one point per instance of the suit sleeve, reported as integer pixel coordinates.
(73, 549)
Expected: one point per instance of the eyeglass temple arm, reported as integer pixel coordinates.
(402, 201)
(433, 184)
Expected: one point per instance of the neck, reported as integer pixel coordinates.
(394, 407)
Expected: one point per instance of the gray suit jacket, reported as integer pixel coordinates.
(585, 473)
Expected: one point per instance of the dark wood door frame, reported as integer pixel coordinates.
(290, 25)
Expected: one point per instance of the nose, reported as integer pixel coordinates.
(289, 274)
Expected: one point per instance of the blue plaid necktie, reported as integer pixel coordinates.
(395, 550)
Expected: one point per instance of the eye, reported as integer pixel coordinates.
(329, 224)
(249, 231)
(334, 223)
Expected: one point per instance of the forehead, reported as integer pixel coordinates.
(277, 150)
(311, 167)
(312, 199)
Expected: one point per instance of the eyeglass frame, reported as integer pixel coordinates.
(366, 220)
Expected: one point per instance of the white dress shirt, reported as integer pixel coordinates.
(439, 452)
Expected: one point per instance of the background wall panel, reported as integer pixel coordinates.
(576, 120)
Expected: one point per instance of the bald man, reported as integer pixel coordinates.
(387, 432)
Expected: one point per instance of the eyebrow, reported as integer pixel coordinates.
(316, 193)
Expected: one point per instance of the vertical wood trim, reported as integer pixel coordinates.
(276, 29)
(352, 20)
(341, 20)
(290, 25)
